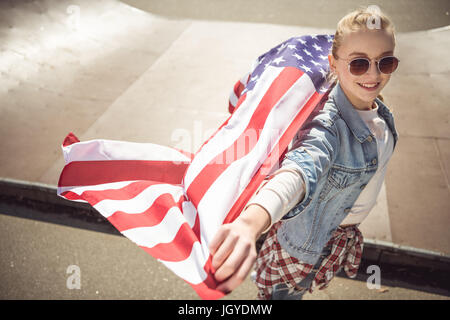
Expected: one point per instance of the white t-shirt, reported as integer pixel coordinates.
(285, 188)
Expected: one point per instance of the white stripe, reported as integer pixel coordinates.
(234, 128)
(191, 269)
(104, 186)
(164, 232)
(141, 202)
(101, 149)
(237, 176)
(233, 98)
(244, 79)
(189, 212)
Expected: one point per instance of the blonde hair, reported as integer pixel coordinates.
(361, 18)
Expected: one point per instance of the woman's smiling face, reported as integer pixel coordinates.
(367, 43)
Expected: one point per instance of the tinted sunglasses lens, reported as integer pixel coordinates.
(388, 65)
(359, 66)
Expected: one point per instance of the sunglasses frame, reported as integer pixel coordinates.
(370, 63)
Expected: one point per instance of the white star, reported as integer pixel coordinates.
(254, 78)
(323, 72)
(314, 37)
(330, 38)
(318, 48)
(307, 69)
(315, 63)
(282, 47)
(302, 41)
(323, 57)
(278, 60)
(307, 52)
(298, 57)
(323, 89)
(291, 46)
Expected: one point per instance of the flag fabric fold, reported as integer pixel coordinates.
(170, 202)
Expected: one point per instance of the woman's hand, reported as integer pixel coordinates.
(233, 247)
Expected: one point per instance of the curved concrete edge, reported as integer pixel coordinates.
(43, 198)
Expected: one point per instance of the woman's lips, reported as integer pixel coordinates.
(369, 86)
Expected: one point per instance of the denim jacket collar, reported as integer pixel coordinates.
(354, 121)
(349, 114)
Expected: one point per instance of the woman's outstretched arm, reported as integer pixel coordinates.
(233, 247)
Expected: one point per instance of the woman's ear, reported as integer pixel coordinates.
(332, 63)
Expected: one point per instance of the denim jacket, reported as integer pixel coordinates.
(336, 156)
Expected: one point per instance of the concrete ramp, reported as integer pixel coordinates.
(62, 64)
(104, 69)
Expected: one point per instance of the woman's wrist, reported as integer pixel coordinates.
(256, 218)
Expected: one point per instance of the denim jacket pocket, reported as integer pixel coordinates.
(339, 178)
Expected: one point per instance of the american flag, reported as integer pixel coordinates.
(171, 202)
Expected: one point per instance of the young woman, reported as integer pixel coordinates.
(328, 181)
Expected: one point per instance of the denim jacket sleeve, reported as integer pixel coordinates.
(312, 154)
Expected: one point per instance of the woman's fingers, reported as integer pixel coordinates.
(219, 237)
(237, 253)
(223, 250)
(233, 247)
(240, 273)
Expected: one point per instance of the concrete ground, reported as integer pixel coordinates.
(112, 267)
(145, 72)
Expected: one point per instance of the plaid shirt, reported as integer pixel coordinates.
(274, 265)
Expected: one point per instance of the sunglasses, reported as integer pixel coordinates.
(360, 66)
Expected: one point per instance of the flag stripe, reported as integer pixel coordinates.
(150, 217)
(206, 288)
(70, 139)
(141, 202)
(127, 192)
(238, 88)
(192, 269)
(242, 99)
(85, 173)
(163, 232)
(178, 249)
(101, 149)
(99, 187)
(69, 195)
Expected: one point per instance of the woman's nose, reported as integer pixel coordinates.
(373, 69)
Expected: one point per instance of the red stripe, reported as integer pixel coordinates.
(282, 145)
(230, 107)
(69, 195)
(240, 101)
(150, 217)
(206, 290)
(70, 139)
(238, 88)
(125, 193)
(179, 248)
(86, 173)
(215, 167)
